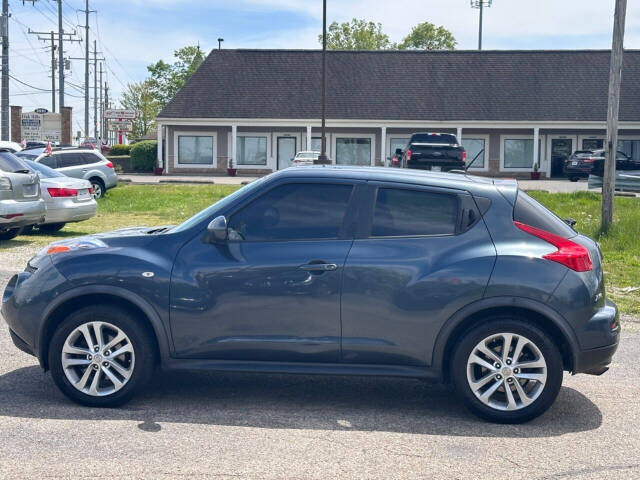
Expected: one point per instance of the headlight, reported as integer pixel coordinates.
(72, 245)
(5, 183)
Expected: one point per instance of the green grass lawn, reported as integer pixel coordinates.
(133, 205)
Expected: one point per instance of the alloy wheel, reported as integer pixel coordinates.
(97, 190)
(506, 371)
(98, 358)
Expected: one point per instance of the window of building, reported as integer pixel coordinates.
(400, 212)
(518, 153)
(300, 211)
(251, 150)
(592, 143)
(475, 147)
(195, 150)
(353, 151)
(316, 144)
(631, 148)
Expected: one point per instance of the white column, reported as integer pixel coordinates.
(308, 137)
(160, 165)
(536, 143)
(383, 146)
(459, 135)
(234, 142)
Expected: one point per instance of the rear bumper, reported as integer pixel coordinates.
(72, 212)
(31, 212)
(603, 327)
(430, 164)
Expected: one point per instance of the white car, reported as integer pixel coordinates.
(66, 199)
(305, 158)
(13, 147)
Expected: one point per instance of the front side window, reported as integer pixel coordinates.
(251, 150)
(195, 150)
(475, 149)
(353, 151)
(296, 211)
(400, 212)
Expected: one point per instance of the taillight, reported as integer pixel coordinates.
(109, 164)
(62, 192)
(588, 160)
(464, 156)
(408, 155)
(570, 254)
(395, 160)
(90, 190)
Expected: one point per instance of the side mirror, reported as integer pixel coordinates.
(217, 230)
(398, 151)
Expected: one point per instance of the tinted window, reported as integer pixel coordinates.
(89, 158)
(50, 162)
(411, 212)
(293, 212)
(434, 138)
(10, 163)
(530, 212)
(69, 159)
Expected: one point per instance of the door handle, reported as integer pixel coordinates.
(318, 267)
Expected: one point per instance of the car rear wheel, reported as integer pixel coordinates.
(10, 233)
(507, 370)
(574, 179)
(98, 188)
(51, 227)
(100, 355)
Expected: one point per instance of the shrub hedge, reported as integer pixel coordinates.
(120, 149)
(144, 155)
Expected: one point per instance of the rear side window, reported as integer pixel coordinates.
(69, 159)
(530, 212)
(296, 211)
(89, 158)
(400, 212)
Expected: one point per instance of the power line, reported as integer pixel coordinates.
(27, 85)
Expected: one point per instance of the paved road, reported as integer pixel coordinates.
(272, 426)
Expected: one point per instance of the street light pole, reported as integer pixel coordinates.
(322, 159)
(480, 4)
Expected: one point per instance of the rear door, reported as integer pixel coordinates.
(71, 164)
(421, 254)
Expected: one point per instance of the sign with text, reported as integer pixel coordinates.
(120, 126)
(116, 114)
(41, 127)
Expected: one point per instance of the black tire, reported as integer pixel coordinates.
(27, 230)
(127, 323)
(10, 233)
(519, 326)
(98, 187)
(51, 227)
(574, 179)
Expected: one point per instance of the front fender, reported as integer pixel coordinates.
(487, 304)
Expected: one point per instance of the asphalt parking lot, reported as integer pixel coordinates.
(273, 426)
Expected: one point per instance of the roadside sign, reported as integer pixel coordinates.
(41, 110)
(120, 126)
(41, 126)
(118, 114)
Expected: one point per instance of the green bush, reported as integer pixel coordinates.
(120, 149)
(144, 155)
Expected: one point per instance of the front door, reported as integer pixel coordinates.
(272, 292)
(286, 151)
(561, 150)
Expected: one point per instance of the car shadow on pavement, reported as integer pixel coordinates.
(292, 401)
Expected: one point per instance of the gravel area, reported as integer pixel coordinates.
(275, 426)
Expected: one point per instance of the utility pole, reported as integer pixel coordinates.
(95, 89)
(60, 57)
(105, 105)
(87, 88)
(53, 74)
(4, 94)
(480, 4)
(101, 105)
(613, 107)
(86, 66)
(322, 158)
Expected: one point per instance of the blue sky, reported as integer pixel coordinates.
(134, 33)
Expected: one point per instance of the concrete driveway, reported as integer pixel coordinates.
(274, 426)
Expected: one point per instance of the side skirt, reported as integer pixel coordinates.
(424, 373)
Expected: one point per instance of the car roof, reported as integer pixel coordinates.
(399, 175)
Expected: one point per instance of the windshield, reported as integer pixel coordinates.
(307, 155)
(10, 163)
(42, 170)
(220, 204)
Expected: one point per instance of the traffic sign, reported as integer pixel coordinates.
(116, 114)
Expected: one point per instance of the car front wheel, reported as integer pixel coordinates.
(507, 370)
(100, 355)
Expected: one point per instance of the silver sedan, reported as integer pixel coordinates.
(67, 199)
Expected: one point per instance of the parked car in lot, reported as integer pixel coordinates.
(67, 199)
(12, 147)
(81, 163)
(305, 158)
(434, 151)
(20, 201)
(329, 270)
(96, 144)
(582, 163)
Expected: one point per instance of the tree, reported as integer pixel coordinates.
(138, 96)
(427, 36)
(166, 79)
(356, 35)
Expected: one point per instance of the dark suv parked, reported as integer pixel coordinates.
(329, 270)
(586, 162)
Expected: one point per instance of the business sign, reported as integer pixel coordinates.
(118, 114)
(41, 110)
(120, 126)
(41, 127)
